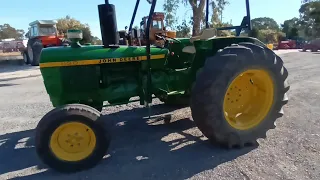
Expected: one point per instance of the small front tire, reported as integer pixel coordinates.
(70, 138)
(26, 58)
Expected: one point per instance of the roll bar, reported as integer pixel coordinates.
(245, 24)
(148, 93)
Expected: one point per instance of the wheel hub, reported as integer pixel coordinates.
(73, 141)
(248, 99)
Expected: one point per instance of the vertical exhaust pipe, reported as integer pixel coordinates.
(108, 24)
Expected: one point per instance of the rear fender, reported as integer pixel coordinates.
(207, 48)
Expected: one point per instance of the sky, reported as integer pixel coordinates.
(87, 11)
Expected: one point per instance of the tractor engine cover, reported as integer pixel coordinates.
(93, 73)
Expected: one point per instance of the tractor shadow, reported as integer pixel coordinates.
(7, 84)
(141, 149)
(19, 69)
(17, 151)
(13, 68)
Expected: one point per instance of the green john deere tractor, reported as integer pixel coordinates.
(236, 87)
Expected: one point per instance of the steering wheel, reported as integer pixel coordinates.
(164, 36)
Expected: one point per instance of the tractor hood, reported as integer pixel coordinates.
(94, 55)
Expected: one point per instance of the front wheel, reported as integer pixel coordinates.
(26, 58)
(239, 94)
(70, 138)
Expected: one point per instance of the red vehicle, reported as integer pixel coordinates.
(313, 45)
(41, 34)
(289, 44)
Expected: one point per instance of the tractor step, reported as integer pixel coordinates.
(176, 93)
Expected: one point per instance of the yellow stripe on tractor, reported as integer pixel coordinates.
(98, 61)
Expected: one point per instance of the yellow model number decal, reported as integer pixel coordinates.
(98, 61)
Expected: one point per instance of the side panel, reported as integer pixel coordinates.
(95, 74)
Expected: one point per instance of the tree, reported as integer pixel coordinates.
(68, 22)
(215, 15)
(289, 24)
(265, 23)
(197, 7)
(217, 8)
(96, 41)
(294, 33)
(310, 18)
(270, 36)
(183, 30)
(6, 31)
(220, 5)
(86, 34)
(308, 1)
(198, 13)
(254, 33)
(170, 8)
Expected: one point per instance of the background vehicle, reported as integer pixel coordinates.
(156, 28)
(11, 45)
(289, 44)
(235, 86)
(7, 47)
(313, 45)
(41, 34)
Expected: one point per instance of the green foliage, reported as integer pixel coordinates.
(96, 41)
(6, 32)
(183, 30)
(307, 25)
(170, 8)
(254, 32)
(68, 22)
(86, 32)
(197, 7)
(310, 18)
(225, 33)
(265, 23)
(294, 33)
(288, 25)
(197, 20)
(270, 36)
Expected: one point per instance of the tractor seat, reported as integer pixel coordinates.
(205, 35)
(189, 50)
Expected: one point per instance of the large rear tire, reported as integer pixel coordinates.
(70, 138)
(239, 94)
(34, 48)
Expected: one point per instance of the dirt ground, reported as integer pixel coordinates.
(145, 149)
(10, 54)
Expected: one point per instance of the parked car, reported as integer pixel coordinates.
(6, 47)
(313, 45)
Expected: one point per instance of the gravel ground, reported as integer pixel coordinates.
(147, 149)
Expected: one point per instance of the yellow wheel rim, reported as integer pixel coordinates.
(248, 99)
(73, 141)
